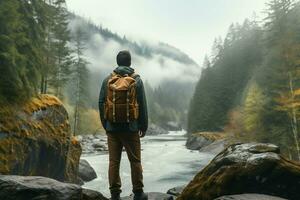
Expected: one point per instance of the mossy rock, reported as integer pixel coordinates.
(197, 141)
(246, 168)
(35, 139)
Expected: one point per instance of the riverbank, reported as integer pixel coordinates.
(242, 171)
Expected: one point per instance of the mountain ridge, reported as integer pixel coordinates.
(141, 48)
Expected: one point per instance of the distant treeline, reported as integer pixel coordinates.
(251, 84)
(168, 103)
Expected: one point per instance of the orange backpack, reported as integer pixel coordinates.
(121, 100)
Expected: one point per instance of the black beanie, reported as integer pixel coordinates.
(124, 58)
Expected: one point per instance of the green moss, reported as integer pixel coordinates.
(40, 127)
(41, 102)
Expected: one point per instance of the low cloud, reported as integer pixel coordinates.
(101, 54)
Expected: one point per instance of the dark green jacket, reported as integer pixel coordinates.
(141, 124)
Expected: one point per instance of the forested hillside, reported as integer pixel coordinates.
(46, 49)
(251, 84)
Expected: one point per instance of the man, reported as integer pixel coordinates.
(124, 132)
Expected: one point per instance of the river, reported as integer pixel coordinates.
(166, 163)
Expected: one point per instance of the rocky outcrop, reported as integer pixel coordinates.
(36, 140)
(92, 195)
(215, 147)
(93, 144)
(246, 168)
(197, 142)
(249, 197)
(176, 191)
(156, 130)
(97, 144)
(34, 187)
(86, 172)
(210, 142)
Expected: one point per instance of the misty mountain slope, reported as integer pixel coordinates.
(142, 48)
(165, 69)
(103, 45)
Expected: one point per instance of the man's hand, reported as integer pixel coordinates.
(142, 134)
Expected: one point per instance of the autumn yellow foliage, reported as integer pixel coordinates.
(90, 122)
(213, 136)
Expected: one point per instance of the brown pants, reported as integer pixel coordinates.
(132, 144)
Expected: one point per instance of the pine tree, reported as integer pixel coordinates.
(49, 60)
(19, 55)
(32, 14)
(254, 109)
(9, 56)
(61, 70)
(80, 79)
(280, 70)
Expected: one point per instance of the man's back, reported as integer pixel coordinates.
(124, 134)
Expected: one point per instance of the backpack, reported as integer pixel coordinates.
(121, 100)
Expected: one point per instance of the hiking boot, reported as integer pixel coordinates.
(115, 196)
(140, 196)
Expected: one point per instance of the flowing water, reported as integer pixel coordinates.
(166, 163)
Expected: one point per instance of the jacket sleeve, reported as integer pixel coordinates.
(143, 113)
(102, 97)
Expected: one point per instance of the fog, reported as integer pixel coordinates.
(189, 25)
(101, 54)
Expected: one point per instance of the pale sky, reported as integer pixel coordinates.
(190, 25)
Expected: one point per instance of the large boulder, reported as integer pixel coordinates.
(35, 187)
(36, 140)
(246, 168)
(215, 147)
(195, 142)
(86, 171)
(92, 195)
